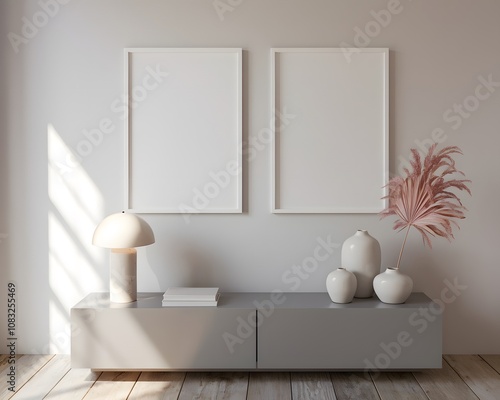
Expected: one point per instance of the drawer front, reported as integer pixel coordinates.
(161, 339)
(348, 339)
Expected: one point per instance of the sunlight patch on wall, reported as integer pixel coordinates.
(76, 207)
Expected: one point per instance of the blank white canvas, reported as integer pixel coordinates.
(185, 132)
(333, 156)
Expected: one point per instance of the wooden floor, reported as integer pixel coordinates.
(50, 377)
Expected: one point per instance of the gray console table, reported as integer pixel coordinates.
(256, 331)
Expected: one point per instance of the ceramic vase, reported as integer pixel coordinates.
(341, 285)
(361, 255)
(392, 286)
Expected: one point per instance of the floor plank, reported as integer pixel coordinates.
(26, 367)
(45, 379)
(312, 386)
(158, 386)
(354, 386)
(4, 360)
(493, 360)
(4, 370)
(443, 384)
(398, 386)
(477, 374)
(74, 385)
(214, 385)
(269, 385)
(112, 386)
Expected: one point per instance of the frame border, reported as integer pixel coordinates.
(385, 133)
(145, 209)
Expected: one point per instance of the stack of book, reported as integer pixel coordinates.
(190, 297)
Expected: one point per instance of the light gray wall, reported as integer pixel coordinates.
(67, 76)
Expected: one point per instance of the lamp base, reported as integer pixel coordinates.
(123, 275)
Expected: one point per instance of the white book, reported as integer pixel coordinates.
(189, 303)
(191, 294)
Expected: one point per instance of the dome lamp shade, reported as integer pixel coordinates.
(122, 232)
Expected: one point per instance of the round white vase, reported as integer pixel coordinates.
(392, 286)
(362, 256)
(341, 285)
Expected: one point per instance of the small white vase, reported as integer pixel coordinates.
(392, 286)
(362, 256)
(341, 285)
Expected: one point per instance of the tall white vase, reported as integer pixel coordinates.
(362, 256)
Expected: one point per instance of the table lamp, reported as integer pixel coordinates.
(122, 232)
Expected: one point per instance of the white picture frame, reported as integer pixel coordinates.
(333, 157)
(183, 128)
